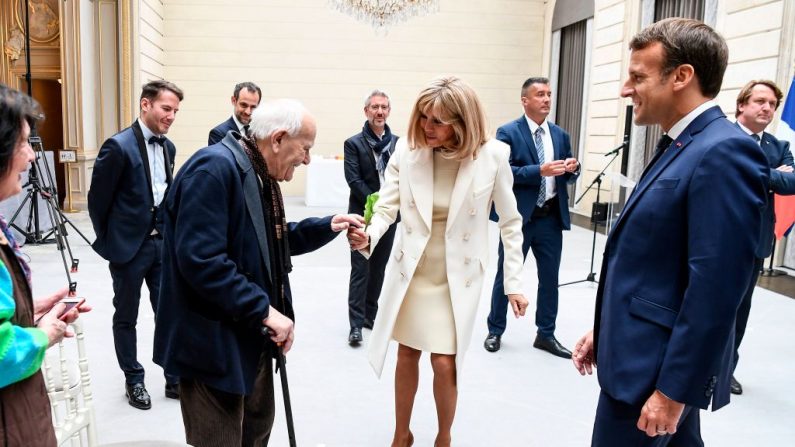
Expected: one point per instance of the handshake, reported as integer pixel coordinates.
(354, 224)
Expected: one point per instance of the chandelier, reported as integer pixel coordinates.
(383, 13)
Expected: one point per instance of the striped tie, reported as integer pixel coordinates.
(542, 190)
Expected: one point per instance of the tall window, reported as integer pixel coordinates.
(571, 27)
(571, 80)
(663, 9)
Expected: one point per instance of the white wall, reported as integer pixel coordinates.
(307, 50)
(151, 42)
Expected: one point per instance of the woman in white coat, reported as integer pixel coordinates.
(443, 179)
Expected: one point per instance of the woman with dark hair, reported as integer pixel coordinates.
(27, 327)
(443, 179)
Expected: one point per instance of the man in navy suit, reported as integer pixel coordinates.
(678, 259)
(245, 99)
(225, 275)
(131, 174)
(542, 166)
(756, 104)
(366, 157)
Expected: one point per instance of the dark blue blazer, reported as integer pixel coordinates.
(216, 269)
(782, 183)
(120, 200)
(675, 267)
(527, 171)
(219, 132)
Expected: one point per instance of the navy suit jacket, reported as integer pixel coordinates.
(120, 201)
(360, 171)
(675, 267)
(216, 269)
(782, 183)
(219, 132)
(527, 171)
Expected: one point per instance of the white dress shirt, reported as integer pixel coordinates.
(682, 124)
(549, 153)
(157, 165)
(239, 125)
(750, 132)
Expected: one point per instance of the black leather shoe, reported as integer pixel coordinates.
(172, 390)
(355, 337)
(368, 324)
(552, 346)
(137, 396)
(735, 386)
(492, 343)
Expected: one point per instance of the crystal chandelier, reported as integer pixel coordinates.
(383, 13)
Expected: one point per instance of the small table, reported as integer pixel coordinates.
(325, 184)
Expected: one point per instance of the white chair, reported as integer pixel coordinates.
(69, 388)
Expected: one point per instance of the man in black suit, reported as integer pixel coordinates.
(756, 104)
(366, 157)
(542, 166)
(245, 99)
(131, 174)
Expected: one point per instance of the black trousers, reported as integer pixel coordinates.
(214, 418)
(744, 311)
(367, 277)
(127, 281)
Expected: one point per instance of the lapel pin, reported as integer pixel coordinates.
(678, 144)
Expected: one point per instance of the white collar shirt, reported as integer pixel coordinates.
(549, 152)
(750, 132)
(157, 165)
(682, 124)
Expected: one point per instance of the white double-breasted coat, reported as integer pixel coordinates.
(408, 188)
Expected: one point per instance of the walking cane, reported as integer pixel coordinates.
(288, 408)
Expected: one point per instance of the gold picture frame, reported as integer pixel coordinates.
(45, 23)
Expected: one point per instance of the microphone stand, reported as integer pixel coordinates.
(594, 222)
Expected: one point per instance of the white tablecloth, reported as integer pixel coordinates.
(325, 184)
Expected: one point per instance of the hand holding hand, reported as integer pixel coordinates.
(660, 415)
(785, 168)
(518, 304)
(345, 221)
(358, 239)
(553, 168)
(280, 328)
(572, 165)
(583, 354)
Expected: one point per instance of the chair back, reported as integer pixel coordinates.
(69, 388)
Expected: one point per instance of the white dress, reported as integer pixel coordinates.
(425, 320)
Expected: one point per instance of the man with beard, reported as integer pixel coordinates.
(366, 157)
(245, 99)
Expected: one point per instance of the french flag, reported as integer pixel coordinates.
(785, 205)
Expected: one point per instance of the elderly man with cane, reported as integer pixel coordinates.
(226, 262)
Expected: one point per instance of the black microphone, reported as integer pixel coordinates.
(617, 149)
(627, 132)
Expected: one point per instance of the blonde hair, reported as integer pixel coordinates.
(455, 103)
